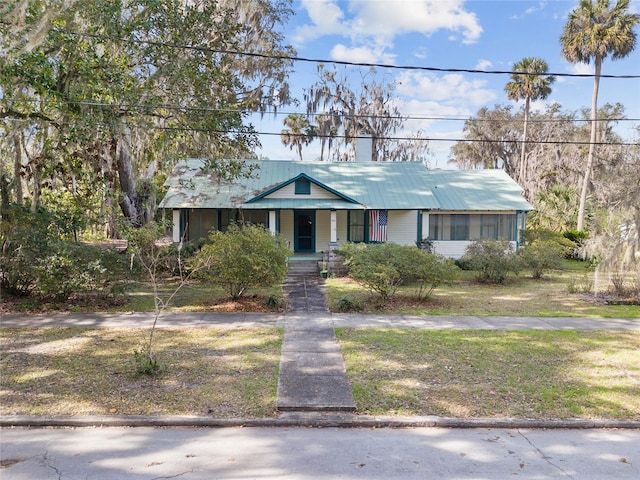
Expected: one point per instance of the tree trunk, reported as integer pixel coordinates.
(17, 167)
(592, 144)
(131, 203)
(523, 153)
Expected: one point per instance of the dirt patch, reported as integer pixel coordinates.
(86, 302)
(608, 298)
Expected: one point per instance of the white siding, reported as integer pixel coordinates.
(402, 227)
(290, 192)
(425, 225)
(286, 225)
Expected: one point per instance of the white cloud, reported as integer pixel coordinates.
(384, 20)
(360, 55)
(453, 87)
(582, 68)
(327, 18)
(539, 7)
(421, 53)
(483, 64)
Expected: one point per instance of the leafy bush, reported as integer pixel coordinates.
(432, 271)
(37, 260)
(583, 284)
(382, 268)
(24, 237)
(348, 304)
(242, 257)
(544, 250)
(492, 260)
(576, 236)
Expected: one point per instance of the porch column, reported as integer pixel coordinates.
(272, 222)
(425, 225)
(334, 227)
(176, 226)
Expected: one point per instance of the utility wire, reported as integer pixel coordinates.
(294, 58)
(318, 136)
(164, 106)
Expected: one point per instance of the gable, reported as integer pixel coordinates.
(303, 189)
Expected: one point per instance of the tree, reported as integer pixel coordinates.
(593, 31)
(115, 92)
(370, 109)
(492, 141)
(299, 132)
(529, 81)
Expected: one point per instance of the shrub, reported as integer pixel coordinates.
(36, 259)
(348, 304)
(243, 257)
(382, 268)
(492, 260)
(24, 237)
(434, 270)
(543, 251)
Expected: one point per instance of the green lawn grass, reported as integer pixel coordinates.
(519, 296)
(520, 374)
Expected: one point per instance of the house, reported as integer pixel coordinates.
(320, 205)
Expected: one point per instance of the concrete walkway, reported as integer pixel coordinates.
(313, 375)
(347, 320)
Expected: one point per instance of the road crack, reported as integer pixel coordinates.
(545, 457)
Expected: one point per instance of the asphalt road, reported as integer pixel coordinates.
(312, 453)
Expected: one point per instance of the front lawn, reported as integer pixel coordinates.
(519, 296)
(520, 374)
(78, 371)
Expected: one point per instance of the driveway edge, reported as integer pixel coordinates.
(306, 419)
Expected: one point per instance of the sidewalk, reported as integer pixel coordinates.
(348, 320)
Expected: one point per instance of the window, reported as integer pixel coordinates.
(255, 217)
(356, 226)
(449, 227)
(224, 219)
(489, 226)
(459, 227)
(303, 186)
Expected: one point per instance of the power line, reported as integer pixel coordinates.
(341, 136)
(164, 106)
(272, 56)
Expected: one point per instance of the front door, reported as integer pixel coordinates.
(304, 231)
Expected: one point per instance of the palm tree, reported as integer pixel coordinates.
(529, 81)
(593, 31)
(299, 133)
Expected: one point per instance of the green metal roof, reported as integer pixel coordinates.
(371, 185)
(476, 190)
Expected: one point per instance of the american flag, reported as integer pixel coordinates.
(378, 225)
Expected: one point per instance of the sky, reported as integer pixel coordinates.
(446, 34)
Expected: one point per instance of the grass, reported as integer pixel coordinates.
(520, 296)
(233, 373)
(196, 296)
(521, 374)
(78, 371)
